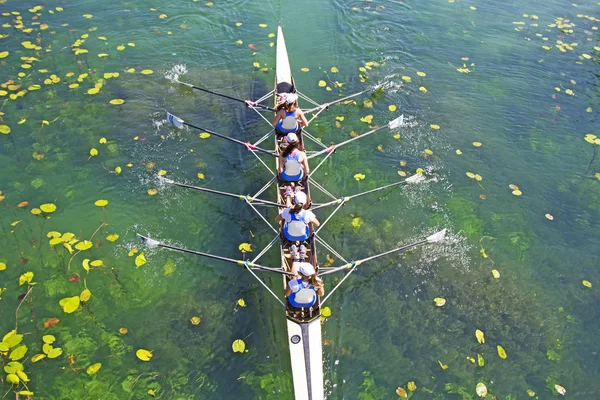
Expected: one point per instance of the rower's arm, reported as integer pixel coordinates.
(276, 118)
(315, 222)
(303, 120)
(288, 291)
(281, 164)
(305, 165)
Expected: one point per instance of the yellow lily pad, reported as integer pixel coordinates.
(238, 346)
(144, 355)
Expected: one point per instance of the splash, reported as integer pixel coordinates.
(175, 72)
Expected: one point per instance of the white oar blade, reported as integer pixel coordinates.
(162, 179)
(147, 241)
(172, 119)
(437, 237)
(396, 123)
(416, 178)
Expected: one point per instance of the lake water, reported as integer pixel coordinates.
(519, 78)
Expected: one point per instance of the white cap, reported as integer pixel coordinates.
(292, 137)
(305, 268)
(291, 98)
(300, 198)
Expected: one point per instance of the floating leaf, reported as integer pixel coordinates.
(117, 101)
(27, 277)
(412, 386)
(517, 192)
(439, 301)
(144, 355)
(480, 360)
(477, 144)
(359, 177)
(406, 79)
(334, 70)
(443, 366)
(123, 331)
(392, 107)
(51, 322)
(560, 389)
(238, 346)
(549, 217)
(18, 353)
(433, 126)
(85, 295)
(92, 369)
(357, 222)
(96, 263)
(4, 54)
(2, 266)
(304, 69)
(245, 247)
(481, 390)
(37, 357)
(195, 320)
(401, 393)
(495, 274)
(93, 90)
(147, 71)
(48, 208)
(471, 175)
(322, 83)
(140, 260)
(101, 203)
(84, 245)
(423, 89)
(69, 304)
(368, 119)
(5, 129)
(480, 336)
(12, 378)
(241, 303)
(55, 352)
(428, 152)
(530, 392)
(513, 187)
(152, 191)
(48, 339)
(501, 352)
(132, 252)
(23, 204)
(93, 152)
(587, 284)
(421, 73)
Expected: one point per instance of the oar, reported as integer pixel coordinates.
(155, 243)
(395, 123)
(416, 178)
(246, 102)
(178, 122)
(435, 238)
(237, 196)
(326, 105)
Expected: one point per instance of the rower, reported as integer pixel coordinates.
(297, 222)
(303, 290)
(293, 163)
(289, 117)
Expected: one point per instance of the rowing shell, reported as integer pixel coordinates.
(304, 326)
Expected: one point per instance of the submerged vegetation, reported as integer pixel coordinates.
(506, 309)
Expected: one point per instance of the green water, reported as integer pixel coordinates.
(385, 329)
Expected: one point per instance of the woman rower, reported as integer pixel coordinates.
(297, 222)
(302, 291)
(293, 163)
(289, 117)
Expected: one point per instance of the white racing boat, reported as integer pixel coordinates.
(303, 324)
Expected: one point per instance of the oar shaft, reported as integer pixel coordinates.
(405, 247)
(215, 257)
(345, 142)
(245, 144)
(375, 190)
(228, 97)
(237, 196)
(346, 98)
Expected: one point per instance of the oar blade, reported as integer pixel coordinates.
(416, 178)
(174, 120)
(396, 123)
(437, 237)
(147, 241)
